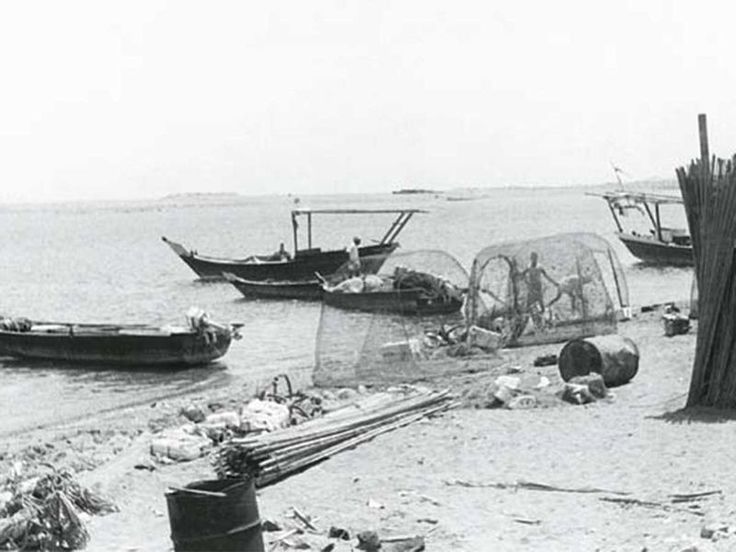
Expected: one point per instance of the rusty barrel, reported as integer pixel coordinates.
(614, 357)
(223, 517)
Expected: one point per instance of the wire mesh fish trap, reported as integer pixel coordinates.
(392, 326)
(547, 290)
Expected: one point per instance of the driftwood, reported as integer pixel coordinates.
(532, 486)
(304, 519)
(688, 497)
(649, 504)
(622, 499)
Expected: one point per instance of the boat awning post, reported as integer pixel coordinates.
(391, 228)
(309, 230)
(655, 222)
(659, 224)
(615, 216)
(295, 225)
(397, 227)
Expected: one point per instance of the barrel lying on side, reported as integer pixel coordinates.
(614, 357)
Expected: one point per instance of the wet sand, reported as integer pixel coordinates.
(451, 477)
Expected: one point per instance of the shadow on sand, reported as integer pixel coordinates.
(697, 415)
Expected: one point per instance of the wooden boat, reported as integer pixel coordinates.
(133, 345)
(304, 262)
(662, 244)
(309, 289)
(413, 301)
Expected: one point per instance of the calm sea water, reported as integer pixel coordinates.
(105, 262)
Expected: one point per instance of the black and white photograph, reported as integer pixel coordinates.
(379, 276)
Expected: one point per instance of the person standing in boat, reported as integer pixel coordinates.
(354, 257)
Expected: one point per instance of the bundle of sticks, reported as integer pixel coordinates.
(709, 194)
(273, 456)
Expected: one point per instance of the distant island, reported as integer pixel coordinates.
(414, 191)
(201, 195)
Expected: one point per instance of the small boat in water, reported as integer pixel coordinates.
(405, 291)
(413, 301)
(308, 290)
(131, 345)
(652, 242)
(283, 267)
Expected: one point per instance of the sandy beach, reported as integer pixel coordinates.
(465, 479)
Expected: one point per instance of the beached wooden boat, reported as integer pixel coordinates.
(397, 301)
(309, 289)
(133, 345)
(304, 262)
(660, 244)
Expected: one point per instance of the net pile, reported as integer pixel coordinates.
(547, 290)
(272, 456)
(392, 344)
(43, 513)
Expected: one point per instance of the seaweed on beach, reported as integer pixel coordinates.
(43, 512)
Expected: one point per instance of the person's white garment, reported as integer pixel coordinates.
(353, 253)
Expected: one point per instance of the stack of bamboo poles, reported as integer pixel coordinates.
(272, 456)
(709, 193)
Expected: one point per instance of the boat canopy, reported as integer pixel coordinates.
(402, 218)
(622, 201)
(638, 197)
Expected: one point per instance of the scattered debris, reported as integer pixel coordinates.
(577, 394)
(525, 521)
(306, 520)
(648, 504)
(193, 413)
(486, 340)
(269, 526)
(714, 531)
(338, 533)
(180, 444)
(522, 402)
(675, 323)
(532, 486)
(594, 382)
(687, 497)
(374, 504)
(545, 360)
(369, 541)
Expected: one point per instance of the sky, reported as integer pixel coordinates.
(139, 99)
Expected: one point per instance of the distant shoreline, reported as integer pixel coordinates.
(639, 185)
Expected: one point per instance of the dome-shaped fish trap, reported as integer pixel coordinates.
(393, 326)
(547, 290)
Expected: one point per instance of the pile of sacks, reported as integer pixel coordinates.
(363, 284)
(585, 389)
(193, 439)
(459, 341)
(514, 391)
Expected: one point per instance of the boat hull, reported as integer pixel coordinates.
(300, 268)
(174, 350)
(309, 290)
(652, 251)
(406, 301)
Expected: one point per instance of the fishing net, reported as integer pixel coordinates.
(401, 324)
(547, 290)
